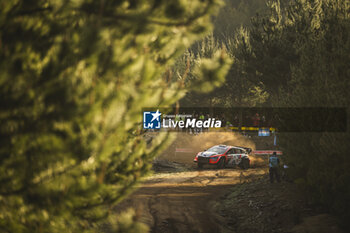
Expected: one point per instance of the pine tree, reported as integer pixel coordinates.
(74, 76)
(320, 78)
(192, 68)
(300, 53)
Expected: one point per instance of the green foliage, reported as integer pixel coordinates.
(197, 71)
(205, 71)
(243, 87)
(240, 87)
(235, 14)
(74, 76)
(300, 53)
(125, 222)
(320, 77)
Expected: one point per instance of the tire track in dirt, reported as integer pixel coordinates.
(172, 223)
(182, 202)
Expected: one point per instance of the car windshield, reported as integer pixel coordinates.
(217, 149)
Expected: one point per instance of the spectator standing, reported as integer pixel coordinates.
(256, 120)
(273, 167)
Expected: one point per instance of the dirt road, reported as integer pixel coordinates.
(183, 201)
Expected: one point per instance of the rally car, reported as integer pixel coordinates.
(224, 156)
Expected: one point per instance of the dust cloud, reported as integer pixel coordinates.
(186, 146)
(204, 141)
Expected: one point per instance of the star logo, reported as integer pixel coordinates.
(156, 115)
(151, 120)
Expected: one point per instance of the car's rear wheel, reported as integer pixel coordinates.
(221, 163)
(245, 163)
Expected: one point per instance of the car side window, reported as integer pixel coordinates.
(230, 152)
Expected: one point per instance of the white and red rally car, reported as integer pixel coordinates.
(224, 156)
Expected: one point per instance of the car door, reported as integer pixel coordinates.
(240, 155)
(237, 156)
(230, 157)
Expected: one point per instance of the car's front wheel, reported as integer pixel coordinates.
(221, 163)
(200, 166)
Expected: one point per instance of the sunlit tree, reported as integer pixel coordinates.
(74, 76)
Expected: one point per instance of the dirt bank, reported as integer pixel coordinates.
(262, 207)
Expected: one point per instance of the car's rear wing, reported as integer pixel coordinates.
(246, 149)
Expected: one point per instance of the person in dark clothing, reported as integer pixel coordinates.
(256, 120)
(273, 167)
